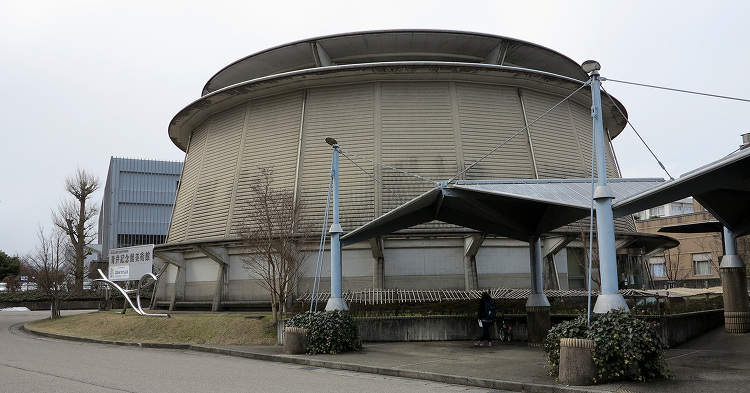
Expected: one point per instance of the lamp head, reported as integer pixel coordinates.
(332, 141)
(591, 65)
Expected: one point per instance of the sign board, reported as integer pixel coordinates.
(130, 263)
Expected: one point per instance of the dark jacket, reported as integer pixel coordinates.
(481, 311)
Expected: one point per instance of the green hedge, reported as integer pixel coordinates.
(36, 296)
(328, 331)
(624, 347)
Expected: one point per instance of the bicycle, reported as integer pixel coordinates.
(505, 331)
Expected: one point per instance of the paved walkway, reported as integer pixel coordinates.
(714, 362)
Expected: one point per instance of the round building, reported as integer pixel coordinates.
(426, 102)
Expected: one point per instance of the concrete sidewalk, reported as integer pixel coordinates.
(715, 362)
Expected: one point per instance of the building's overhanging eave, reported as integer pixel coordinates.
(722, 187)
(198, 111)
(518, 209)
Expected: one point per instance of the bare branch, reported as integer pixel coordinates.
(76, 218)
(50, 266)
(276, 236)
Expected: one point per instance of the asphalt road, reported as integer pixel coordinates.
(34, 364)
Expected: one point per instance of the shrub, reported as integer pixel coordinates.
(328, 331)
(624, 346)
(37, 295)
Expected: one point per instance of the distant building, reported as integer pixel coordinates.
(676, 208)
(137, 203)
(695, 262)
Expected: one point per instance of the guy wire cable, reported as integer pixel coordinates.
(390, 167)
(373, 177)
(591, 226)
(680, 90)
(516, 134)
(319, 264)
(639, 137)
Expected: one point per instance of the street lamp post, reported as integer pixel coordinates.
(335, 302)
(610, 298)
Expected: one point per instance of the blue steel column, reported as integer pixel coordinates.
(609, 299)
(336, 302)
(537, 305)
(537, 298)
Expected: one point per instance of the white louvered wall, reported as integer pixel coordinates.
(216, 183)
(490, 116)
(271, 140)
(553, 137)
(346, 114)
(417, 137)
(434, 129)
(188, 182)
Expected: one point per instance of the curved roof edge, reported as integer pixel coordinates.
(382, 46)
(200, 109)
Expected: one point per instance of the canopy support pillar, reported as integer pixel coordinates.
(537, 306)
(734, 284)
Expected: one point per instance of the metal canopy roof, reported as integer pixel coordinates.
(519, 209)
(694, 227)
(722, 187)
(515, 209)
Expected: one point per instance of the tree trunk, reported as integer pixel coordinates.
(55, 308)
(274, 312)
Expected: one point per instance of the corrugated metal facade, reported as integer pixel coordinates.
(431, 103)
(433, 129)
(137, 203)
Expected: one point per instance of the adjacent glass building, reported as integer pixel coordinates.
(137, 203)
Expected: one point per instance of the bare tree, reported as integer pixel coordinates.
(743, 250)
(674, 269)
(276, 234)
(49, 262)
(583, 257)
(75, 217)
(711, 243)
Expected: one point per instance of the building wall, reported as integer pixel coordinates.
(683, 206)
(428, 103)
(137, 203)
(678, 261)
(434, 129)
(424, 264)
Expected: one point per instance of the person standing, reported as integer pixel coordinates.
(486, 314)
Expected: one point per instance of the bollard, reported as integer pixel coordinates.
(576, 364)
(295, 341)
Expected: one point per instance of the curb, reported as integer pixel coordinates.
(305, 360)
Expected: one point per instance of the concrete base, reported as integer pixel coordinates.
(608, 302)
(336, 303)
(295, 341)
(736, 307)
(576, 364)
(538, 324)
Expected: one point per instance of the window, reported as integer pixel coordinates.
(702, 264)
(658, 267)
(687, 208)
(656, 211)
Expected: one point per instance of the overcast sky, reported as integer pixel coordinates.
(84, 80)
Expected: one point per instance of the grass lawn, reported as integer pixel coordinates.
(181, 328)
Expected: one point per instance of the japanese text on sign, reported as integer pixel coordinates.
(130, 263)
